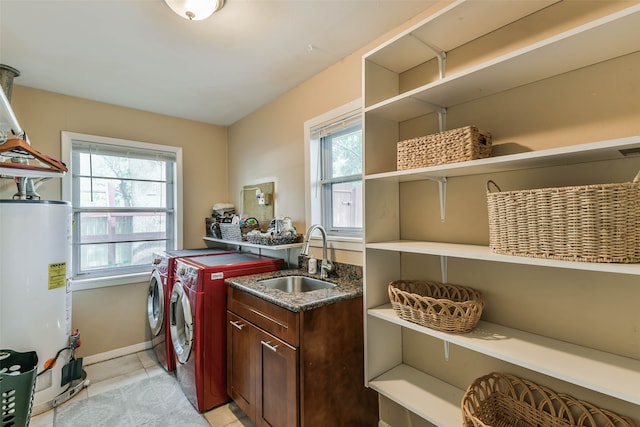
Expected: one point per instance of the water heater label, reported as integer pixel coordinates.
(57, 275)
(216, 276)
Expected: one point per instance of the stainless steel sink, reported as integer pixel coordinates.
(296, 284)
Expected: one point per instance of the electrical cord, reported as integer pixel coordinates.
(49, 364)
(74, 342)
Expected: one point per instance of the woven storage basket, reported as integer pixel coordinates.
(236, 231)
(501, 400)
(593, 223)
(455, 145)
(274, 240)
(444, 307)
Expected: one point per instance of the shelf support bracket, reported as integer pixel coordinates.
(446, 351)
(443, 268)
(440, 54)
(442, 119)
(442, 192)
(442, 113)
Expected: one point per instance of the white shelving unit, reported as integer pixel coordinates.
(386, 107)
(532, 63)
(432, 38)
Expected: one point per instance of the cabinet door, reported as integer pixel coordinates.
(240, 366)
(277, 391)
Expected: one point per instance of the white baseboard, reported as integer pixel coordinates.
(383, 424)
(101, 357)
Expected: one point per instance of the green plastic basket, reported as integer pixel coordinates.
(17, 384)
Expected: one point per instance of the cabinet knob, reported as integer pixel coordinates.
(268, 344)
(236, 324)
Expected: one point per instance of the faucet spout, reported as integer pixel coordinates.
(326, 266)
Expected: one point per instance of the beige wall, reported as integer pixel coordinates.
(268, 145)
(115, 317)
(265, 146)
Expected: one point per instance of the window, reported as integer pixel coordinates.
(124, 198)
(341, 165)
(335, 171)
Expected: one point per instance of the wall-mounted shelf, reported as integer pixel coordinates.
(28, 173)
(254, 245)
(613, 149)
(425, 40)
(588, 44)
(596, 370)
(483, 253)
(430, 398)
(241, 244)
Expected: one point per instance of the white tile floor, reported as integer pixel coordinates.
(128, 369)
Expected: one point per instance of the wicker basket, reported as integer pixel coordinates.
(260, 239)
(452, 146)
(501, 400)
(593, 223)
(237, 232)
(444, 307)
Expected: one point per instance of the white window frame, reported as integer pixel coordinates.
(313, 187)
(67, 139)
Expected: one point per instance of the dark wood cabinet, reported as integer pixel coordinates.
(305, 369)
(240, 335)
(276, 382)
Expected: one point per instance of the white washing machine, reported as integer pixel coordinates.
(35, 298)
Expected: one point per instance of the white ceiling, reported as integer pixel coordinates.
(139, 54)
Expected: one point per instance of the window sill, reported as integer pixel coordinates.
(105, 282)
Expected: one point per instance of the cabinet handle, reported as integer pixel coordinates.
(271, 347)
(236, 324)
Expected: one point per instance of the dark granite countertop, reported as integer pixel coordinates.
(348, 281)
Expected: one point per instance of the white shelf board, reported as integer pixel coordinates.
(10, 172)
(603, 372)
(478, 252)
(603, 39)
(573, 154)
(253, 245)
(426, 396)
(410, 48)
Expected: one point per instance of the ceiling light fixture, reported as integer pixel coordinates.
(195, 10)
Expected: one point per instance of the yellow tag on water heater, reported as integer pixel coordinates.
(57, 275)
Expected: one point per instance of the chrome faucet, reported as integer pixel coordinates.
(326, 266)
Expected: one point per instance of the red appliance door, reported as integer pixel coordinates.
(181, 323)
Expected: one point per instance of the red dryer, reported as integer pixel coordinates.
(198, 310)
(160, 285)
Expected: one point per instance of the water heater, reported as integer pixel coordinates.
(35, 297)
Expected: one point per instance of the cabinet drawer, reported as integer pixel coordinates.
(276, 320)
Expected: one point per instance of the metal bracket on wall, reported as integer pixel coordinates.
(443, 268)
(442, 193)
(440, 54)
(442, 118)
